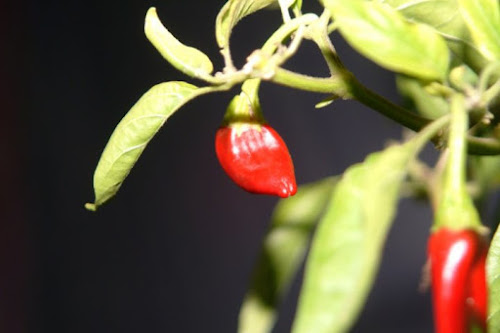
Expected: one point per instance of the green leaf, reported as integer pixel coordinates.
(326, 101)
(283, 250)
(486, 172)
(483, 20)
(382, 34)
(429, 106)
(493, 278)
(231, 13)
(348, 243)
(134, 132)
(444, 16)
(186, 59)
(347, 247)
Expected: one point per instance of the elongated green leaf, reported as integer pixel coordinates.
(382, 34)
(231, 13)
(493, 278)
(347, 246)
(186, 59)
(483, 20)
(134, 132)
(282, 253)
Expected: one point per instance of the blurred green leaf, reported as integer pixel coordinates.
(347, 246)
(287, 3)
(445, 17)
(186, 59)
(134, 132)
(231, 13)
(429, 106)
(442, 14)
(483, 20)
(382, 34)
(282, 253)
(493, 278)
(486, 171)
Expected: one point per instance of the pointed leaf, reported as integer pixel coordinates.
(382, 34)
(348, 243)
(231, 13)
(134, 132)
(282, 253)
(186, 59)
(326, 101)
(483, 20)
(493, 278)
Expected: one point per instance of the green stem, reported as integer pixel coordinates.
(320, 36)
(331, 85)
(386, 107)
(348, 87)
(455, 174)
(483, 146)
(491, 93)
(456, 209)
(285, 31)
(487, 75)
(429, 131)
(284, 12)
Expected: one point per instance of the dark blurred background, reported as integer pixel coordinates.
(174, 250)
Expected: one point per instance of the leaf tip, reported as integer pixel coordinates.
(325, 102)
(150, 15)
(91, 207)
(151, 11)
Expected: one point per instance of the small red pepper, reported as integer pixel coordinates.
(256, 158)
(477, 302)
(459, 291)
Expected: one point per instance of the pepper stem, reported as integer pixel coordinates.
(245, 107)
(456, 209)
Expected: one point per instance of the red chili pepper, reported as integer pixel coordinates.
(459, 292)
(256, 158)
(477, 301)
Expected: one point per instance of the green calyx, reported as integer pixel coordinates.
(456, 209)
(245, 107)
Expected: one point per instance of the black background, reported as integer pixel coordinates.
(173, 251)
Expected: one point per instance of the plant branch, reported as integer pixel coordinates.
(319, 33)
(346, 86)
(330, 85)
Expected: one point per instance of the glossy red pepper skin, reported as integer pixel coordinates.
(459, 292)
(256, 158)
(477, 301)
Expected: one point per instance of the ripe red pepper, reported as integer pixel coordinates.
(459, 291)
(477, 302)
(256, 158)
